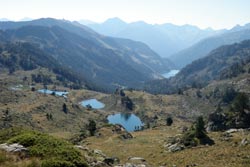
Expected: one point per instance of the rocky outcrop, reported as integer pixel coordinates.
(99, 153)
(111, 160)
(138, 159)
(216, 122)
(174, 147)
(117, 128)
(126, 135)
(131, 165)
(13, 147)
(99, 164)
(244, 142)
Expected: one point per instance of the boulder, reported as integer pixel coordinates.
(126, 135)
(226, 136)
(117, 128)
(175, 147)
(244, 142)
(13, 147)
(216, 121)
(99, 164)
(232, 131)
(131, 165)
(84, 148)
(136, 159)
(99, 153)
(111, 160)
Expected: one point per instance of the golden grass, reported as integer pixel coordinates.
(14, 160)
(149, 145)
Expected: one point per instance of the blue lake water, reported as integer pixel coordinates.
(127, 120)
(57, 93)
(94, 103)
(171, 73)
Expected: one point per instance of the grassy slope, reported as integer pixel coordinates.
(149, 145)
(29, 109)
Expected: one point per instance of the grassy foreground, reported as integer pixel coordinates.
(43, 150)
(149, 144)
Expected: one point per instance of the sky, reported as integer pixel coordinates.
(216, 14)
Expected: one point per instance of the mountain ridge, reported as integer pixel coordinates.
(203, 47)
(224, 62)
(166, 39)
(103, 59)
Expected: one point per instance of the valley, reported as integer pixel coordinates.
(123, 94)
(28, 109)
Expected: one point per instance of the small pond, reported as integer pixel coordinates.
(93, 103)
(127, 120)
(57, 93)
(171, 73)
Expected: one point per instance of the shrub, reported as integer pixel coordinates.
(169, 121)
(52, 150)
(56, 163)
(188, 139)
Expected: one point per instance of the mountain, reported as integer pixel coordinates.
(110, 27)
(165, 39)
(222, 63)
(106, 61)
(239, 27)
(202, 48)
(26, 56)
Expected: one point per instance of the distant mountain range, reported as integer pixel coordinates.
(222, 63)
(180, 44)
(106, 61)
(202, 48)
(165, 39)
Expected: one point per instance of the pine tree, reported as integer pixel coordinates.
(91, 127)
(200, 131)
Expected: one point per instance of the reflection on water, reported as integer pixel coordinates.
(129, 121)
(125, 116)
(93, 103)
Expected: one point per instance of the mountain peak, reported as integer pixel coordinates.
(239, 27)
(114, 20)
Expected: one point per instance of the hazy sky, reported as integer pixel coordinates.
(203, 13)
